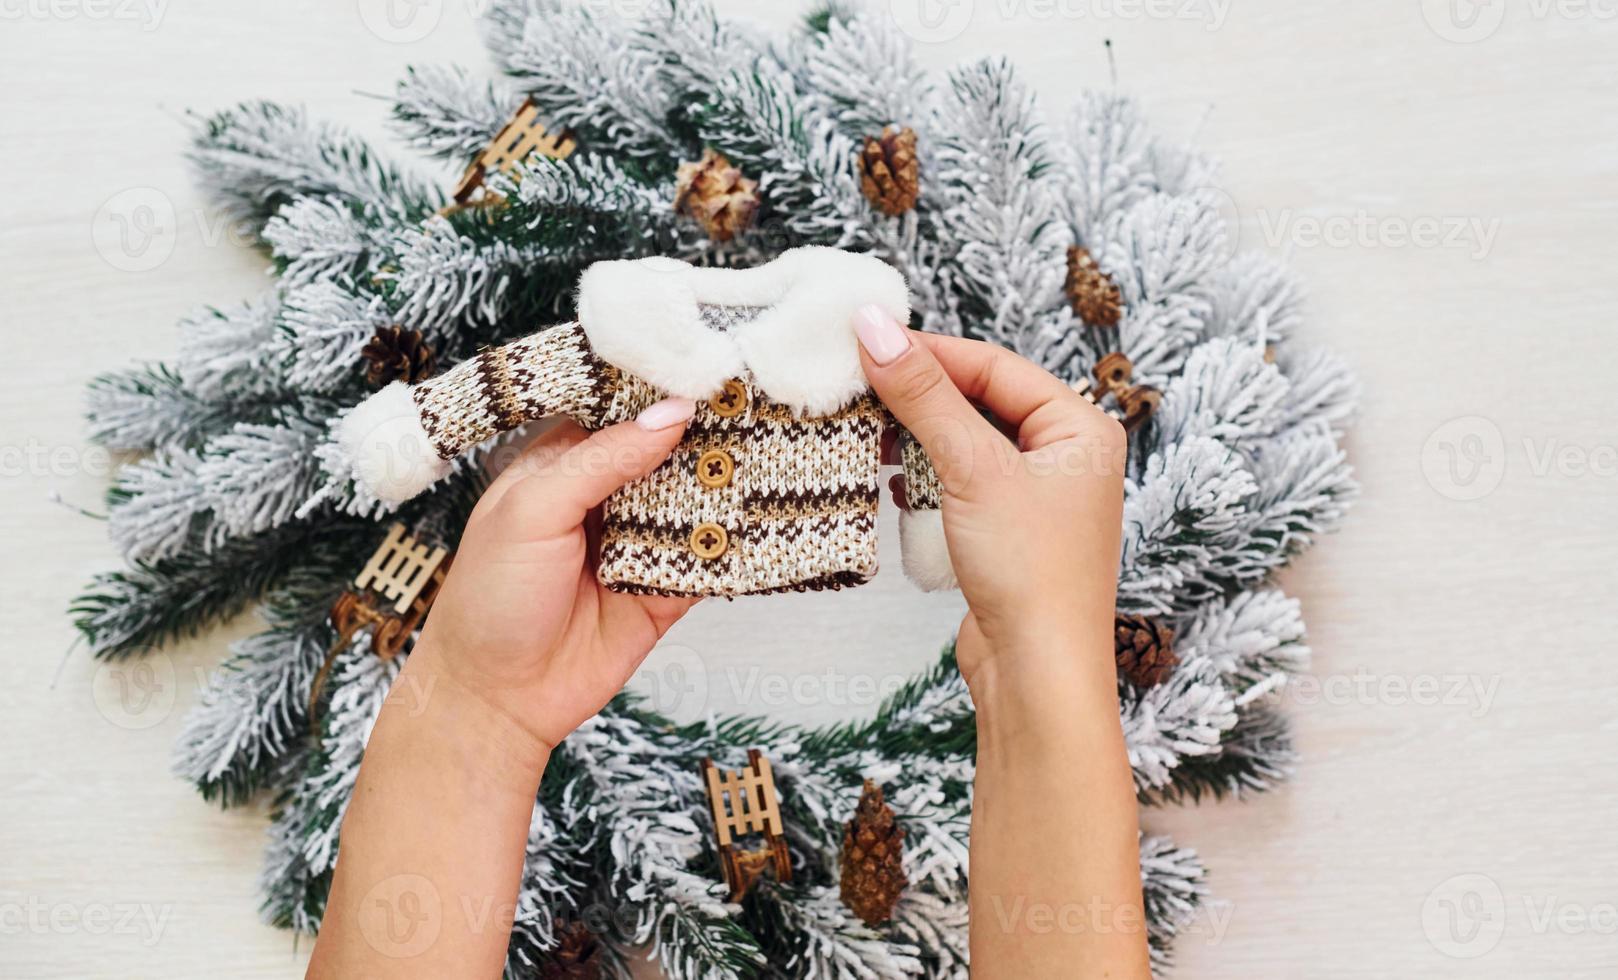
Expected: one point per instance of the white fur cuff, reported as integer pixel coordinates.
(387, 449)
(926, 556)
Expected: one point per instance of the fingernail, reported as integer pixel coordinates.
(883, 337)
(667, 413)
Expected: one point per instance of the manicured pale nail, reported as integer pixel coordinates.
(883, 337)
(666, 414)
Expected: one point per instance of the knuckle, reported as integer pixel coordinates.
(1109, 432)
(920, 383)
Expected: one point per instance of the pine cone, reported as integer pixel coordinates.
(873, 873)
(1144, 649)
(577, 955)
(890, 176)
(397, 354)
(1095, 297)
(716, 195)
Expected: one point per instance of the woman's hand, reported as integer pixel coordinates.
(1033, 521)
(523, 644)
(522, 623)
(1033, 524)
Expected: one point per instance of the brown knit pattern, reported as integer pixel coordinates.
(799, 510)
(922, 489)
(550, 373)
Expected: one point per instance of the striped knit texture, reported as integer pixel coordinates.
(799, 511)
(922, 489)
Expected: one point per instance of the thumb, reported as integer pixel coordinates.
(557, 498)
(920, 394)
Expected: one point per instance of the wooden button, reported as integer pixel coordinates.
(709, 541)
(731, 400)
(715, 468)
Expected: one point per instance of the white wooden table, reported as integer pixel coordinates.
(1444, 174)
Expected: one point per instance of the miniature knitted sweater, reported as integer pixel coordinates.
(775, 484)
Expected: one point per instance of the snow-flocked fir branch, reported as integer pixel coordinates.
(1005, 246)
(447, 113)
(252, 713)
(313, 239)
(581, 66)
(857, 66)
(260, 156)
(150, 603)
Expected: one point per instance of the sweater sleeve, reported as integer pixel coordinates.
(399, 441)
(921, 527)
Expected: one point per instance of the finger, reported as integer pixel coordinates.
(542, 452)
(538, 455)
(621, 610)
(916, 389)
(1037, 404)
(557, 499)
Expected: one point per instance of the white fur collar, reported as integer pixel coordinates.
(644, 317)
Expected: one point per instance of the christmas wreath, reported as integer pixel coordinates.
(680, 134)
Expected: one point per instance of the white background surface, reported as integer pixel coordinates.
(1467, 712)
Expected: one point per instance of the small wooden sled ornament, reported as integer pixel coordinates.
(392, 592)
(523, 135)
(1135, 403)
(391, 596)
(744, 803)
